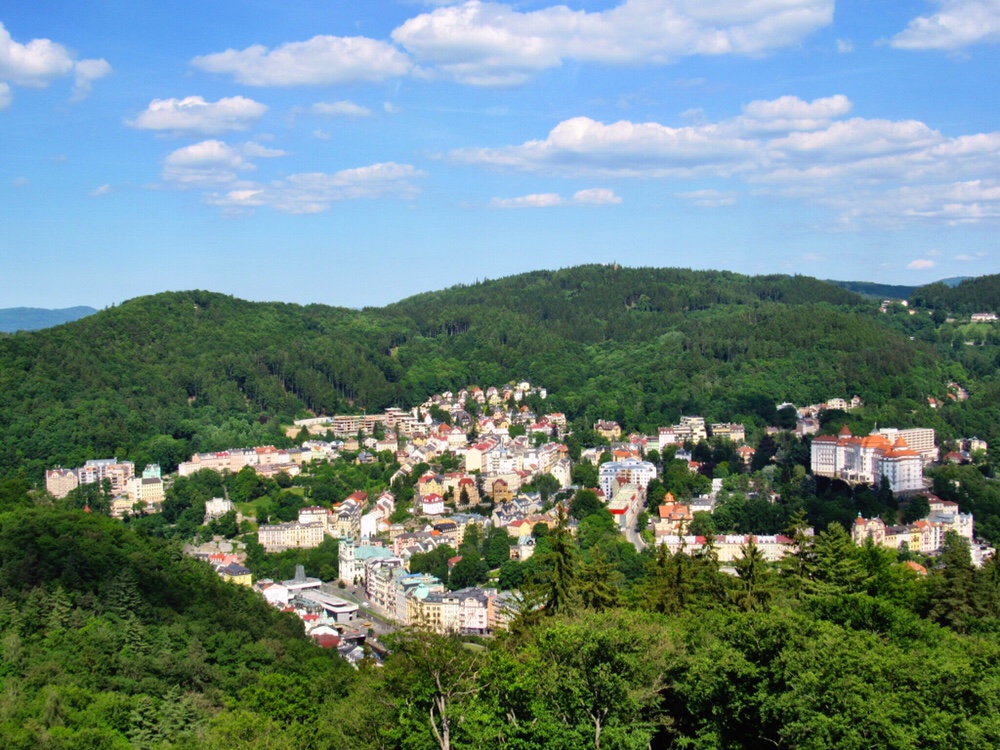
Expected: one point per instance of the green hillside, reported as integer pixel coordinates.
(981, 294)
(159, 377)
(877, 291)
(113, 640)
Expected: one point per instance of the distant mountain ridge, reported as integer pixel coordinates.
(891, 291)
(36, 318)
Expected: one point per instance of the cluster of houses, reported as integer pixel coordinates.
(927, 535)
(674, 518)
(418, 598)
(128, 489)
(330, 620)
(265, 460)
(316, 523)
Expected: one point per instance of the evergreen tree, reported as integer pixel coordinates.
(838, 568)
(599, 583)
(560, 570)
(953, 584)
(751, 590)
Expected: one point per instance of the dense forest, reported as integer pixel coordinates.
(112, 639)
(159, 377)
(981, 294)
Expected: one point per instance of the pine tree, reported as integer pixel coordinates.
(953, 584)
(61, 611)
(561, 579)
(838, 567)
(599, 583)
(751, 590)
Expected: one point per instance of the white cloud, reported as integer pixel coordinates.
(920, 265)
(340, 109)
(85, 73)
(314, 192)
(255, 150)
(583, 146)
(536, 200)
(596, 197)
(845, 46)
(708, 198)
(6, 95)
(958, 24)
(789, 113)
(206, 164)
(391, 109)
(320, 61)
(194, 115)
(880, 172)
(19, 182)
(41, 61)
(587, 197)
(36, 63)
(932, 253)
(99, 191)
(321, 135)
(492, 44)
(964, 257)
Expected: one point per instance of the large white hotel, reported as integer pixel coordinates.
(868, 459)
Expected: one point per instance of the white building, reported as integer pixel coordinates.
(868, 459)
(627, 471)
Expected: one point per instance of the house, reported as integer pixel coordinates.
(352, 559)
(501, 492)
(60, 482)
(608, 430)
(627, 471)
(282, 536)
(235, 573)
(217, 507)
(432, 504)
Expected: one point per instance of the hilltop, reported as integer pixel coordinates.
(159, 377)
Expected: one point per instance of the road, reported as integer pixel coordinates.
(633, 536)
(366, 610)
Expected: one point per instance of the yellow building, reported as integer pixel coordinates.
(237, 574)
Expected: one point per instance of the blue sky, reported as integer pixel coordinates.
(355, 153)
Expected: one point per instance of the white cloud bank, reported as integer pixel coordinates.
(315, 192)
(872, 170)
(958, 24)
(588, 197)
(222, 171)
(194, 115)
(320, 61)
(340, 109)
(492, 44)
(39, 62)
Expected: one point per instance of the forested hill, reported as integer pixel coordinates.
(981, 294)
(596, 303)
(159, 377)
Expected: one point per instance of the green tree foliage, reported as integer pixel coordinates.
(115, 640)
(584, 503)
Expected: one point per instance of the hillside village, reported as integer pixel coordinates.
(497, 448)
